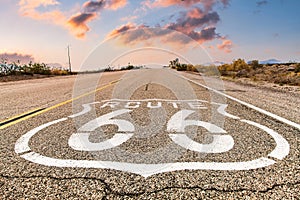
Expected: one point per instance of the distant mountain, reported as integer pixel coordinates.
(270, 61)
(215, 63)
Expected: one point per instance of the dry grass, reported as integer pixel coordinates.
(282, 74)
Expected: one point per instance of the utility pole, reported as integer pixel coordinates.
(70, 67)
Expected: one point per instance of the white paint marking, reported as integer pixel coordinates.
(274, 116)
(220, 144)
(110, 104)
(80, 142)
(196, 105)
(149, 105)
(177, 123)
(174, 104)
(164, 100)
(282, 146)
(147, 170)
(22, 144)
(123, 125)
(129, 104)
(86, 108)
(222, 110)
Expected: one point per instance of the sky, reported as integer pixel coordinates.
(143, 32)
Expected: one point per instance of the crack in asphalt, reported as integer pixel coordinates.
(109, 191)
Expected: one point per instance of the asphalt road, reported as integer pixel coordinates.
(148, 134)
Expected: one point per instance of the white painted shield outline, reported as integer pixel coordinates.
(281, 151)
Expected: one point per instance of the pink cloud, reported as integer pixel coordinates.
(28, 8)
(77, 24)
(116, 4)
(16, 57)
(195, 13)
(195, 24)
(207, 4)
(123, 28)
(90, 11)
(194, 19)
(226, 46)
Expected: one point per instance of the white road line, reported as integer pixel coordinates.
(282, 148)
(147, 170)
(220, 144)
(178, 123)
(86, 108)
(274, 116)
(164, 100)
(80, 142)
(222, 110)
(22, 144)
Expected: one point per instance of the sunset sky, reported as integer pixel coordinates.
(40, 30)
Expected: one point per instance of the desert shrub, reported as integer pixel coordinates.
(191, 67)
(225, 69)
(181, 67)
(255, 64)
(129, 67)
(287, 79)
(240, 64)
(59, 72)
(37, 68)
(297, 69)
(108, 69)
(31, 68)
(9, 69)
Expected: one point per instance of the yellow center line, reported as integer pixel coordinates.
(52, 107)
(20, 115)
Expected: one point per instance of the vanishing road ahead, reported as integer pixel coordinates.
(148, 134)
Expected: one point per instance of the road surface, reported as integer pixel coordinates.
(148, 134)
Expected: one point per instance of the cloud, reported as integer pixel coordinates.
(78, 23)
(207, 4)
(226, 46)
(196, 24)
(29, 8)
(116, 4)
(193, 19)
(261, 3)
(93, 6)
(90, 11)
(204, 35)
(131, 34)
(32, 4)
(96, 6)
(15, 57)
(123, 28)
